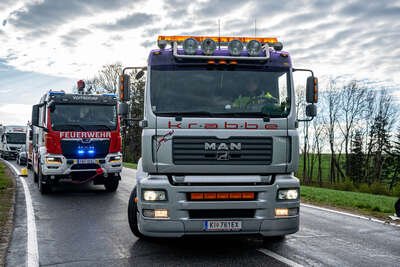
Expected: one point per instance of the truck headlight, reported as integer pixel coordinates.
(53, 160)
(288, 194)
(154, 195)
(115, 159)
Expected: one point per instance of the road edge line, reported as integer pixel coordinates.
(279, 257)
(32, 245)
(349, 214)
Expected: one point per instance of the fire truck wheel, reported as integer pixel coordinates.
(132, 215)
(111, 184)
(43, 188)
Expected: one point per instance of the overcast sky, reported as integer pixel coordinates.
(49, 44)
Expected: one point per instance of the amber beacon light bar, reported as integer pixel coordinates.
(205, 47)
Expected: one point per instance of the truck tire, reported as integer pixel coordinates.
(132, 215)
(397, 207)
(111, 183)
(43, 188)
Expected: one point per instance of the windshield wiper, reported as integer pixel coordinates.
(70, 125)
(101, 125)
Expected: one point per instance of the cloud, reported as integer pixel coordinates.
(131, 21)
(71, 39)
(17, 114)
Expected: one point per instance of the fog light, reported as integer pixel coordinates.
(235, 47)
(190, 46)
(160, 213)
(208, 46)
(279, 212)
(254, 48)
(156, 213)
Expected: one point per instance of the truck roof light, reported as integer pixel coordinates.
(235, 47)
(190, 46)
(221, 39)
(208, 46)
(56, 92)
(254, 48)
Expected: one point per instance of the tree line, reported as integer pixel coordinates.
(353, 139)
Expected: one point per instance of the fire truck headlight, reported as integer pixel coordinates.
(116, 159)
(288, 194)
(254, 48)
(235, 47)
(208, 46)
(190, 46)
(53, 160)
(154, 195)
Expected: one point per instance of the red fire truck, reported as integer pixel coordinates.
(76, 139)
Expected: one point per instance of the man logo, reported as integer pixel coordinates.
(222, 149)
(222, 146)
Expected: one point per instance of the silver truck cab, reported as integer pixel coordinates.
(219, 142)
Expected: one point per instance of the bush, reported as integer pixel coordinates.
(364, 188)
(379, 189)
(396, 190)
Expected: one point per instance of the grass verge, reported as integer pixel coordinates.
(130, 165)
(362, 203)
(7, 194)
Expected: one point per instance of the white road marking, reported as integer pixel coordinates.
(279, 257)
(349, 214)
(32, 259)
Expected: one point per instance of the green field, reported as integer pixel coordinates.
(130, 165)
(369, 204)
(6, 195)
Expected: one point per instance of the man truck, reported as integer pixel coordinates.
(76, 139)
(12, 140)
(220, 143)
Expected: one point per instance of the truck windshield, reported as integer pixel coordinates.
(83, 117)
(220, 92)
(16, 138)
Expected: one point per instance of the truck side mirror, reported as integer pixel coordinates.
(311, 110)
(35, 115)
(312, 90)
(123, 109)
(139, 75)
(124, 87)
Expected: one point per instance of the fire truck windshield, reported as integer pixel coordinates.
(220, 92)
(83, 117)
(16, 138)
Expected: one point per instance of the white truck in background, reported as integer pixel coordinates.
(12, 139)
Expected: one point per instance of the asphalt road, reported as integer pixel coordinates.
(85, 226)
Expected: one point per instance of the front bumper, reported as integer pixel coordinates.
(71, 166)
(262, 222)
(10, 154)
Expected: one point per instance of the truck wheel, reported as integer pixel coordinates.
(43, 188)
(132, 215)
(397, 207)
(111, 184)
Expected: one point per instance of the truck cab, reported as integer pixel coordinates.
(12, 140)
(219, 144)
(76, 139)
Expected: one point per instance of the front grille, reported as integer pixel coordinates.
(13, 148)
(70, 148)
(193, 150)
(221, 214)
(85, 166)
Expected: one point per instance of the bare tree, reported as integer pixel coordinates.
(353, 105)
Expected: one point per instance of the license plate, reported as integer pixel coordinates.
(222, 225)
(86, 161)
